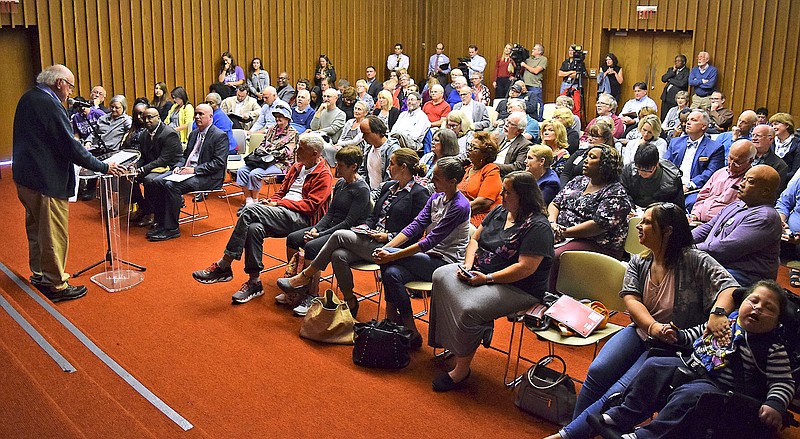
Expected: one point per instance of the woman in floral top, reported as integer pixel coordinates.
(592, 209)
(278, 146)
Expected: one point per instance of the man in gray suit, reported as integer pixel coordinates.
(474, 110)
(514, 146)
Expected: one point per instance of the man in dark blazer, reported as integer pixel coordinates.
(375, 86)
(675, 80)
(204, 161)
(695, 154)
(160, 146)
(44, 155)
(514, 146)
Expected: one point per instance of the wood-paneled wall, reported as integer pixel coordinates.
(128, 45)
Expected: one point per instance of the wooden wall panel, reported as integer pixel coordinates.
(128, 45)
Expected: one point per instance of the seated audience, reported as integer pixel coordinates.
(481, 90)
(650, 180)
(161, 149)
(351, 132)
(231, 76)
(554, 136)
(720, 118)
(597, 134)
(482, 183)
(379, 149)
(741, 131)
(649, 131)
(204, 159)
(745, 236)
(787, 142)
(454, 96)
(265, 118)
(762, 116)
(592, 209)
(384, 109)
(788, 206)
(399, 202)
(474, 110)
(508, 257)
(301, 201)
(720, 364)
(412, 123)
(458, 123)
(302, 113)
(131, 140)
(98, 97)
(566, 117)
(161, 100)
(606, 106)
(241, 109)
(274, 156)
(531, 131)
(671, 121)
(363, 95)
(112, 127)
(83, 119)
(538, 162)
(284, 90)
(630, 111)
(723, 186)
(349, 207)
(444, 223)
(221, 120)
(347, 100)
(436, 109)
(763, 137)
(181, 114)
(502, 107)
(670, 283)
(443, 144)
(513, 148)
(328, 122)
(568, 103)
(695, 154)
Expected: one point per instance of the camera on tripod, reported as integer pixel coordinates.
(519, 54)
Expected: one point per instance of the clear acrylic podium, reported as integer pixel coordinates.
(119, 274)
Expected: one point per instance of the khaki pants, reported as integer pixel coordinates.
(46, 224)
(701, 102)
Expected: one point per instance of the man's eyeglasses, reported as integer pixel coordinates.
(71, 85)
(464, 94)
(603, 103)
(149, 117)
(646, 170)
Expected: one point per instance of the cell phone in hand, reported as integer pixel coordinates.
(465, 272)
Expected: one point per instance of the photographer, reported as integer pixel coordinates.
(569, 69)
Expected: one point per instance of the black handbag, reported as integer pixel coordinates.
(547, 393)
(259, 159)
(381, 345)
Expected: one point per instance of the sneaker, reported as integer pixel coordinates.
(214, 273)
(71, 292)
(282, 298)
(247, 292)
(302, 309)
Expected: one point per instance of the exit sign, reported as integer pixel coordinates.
(646, 12)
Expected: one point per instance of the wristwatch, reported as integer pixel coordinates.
(719, 311)
(489, 279)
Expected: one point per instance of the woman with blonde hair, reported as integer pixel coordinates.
(362, 91)
(504, 69)
(385, 110)
(554, 136)
(538, 163)
(458, 122)
(649, 131)
(567, 119)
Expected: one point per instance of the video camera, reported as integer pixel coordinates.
(519, 54)
(578, 54)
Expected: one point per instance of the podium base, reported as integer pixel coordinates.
(118, 280)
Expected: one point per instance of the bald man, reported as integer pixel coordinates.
(742, 130)
(763, 137)
(721, 189)
(745, 236)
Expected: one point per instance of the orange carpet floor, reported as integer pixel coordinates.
(231, 371)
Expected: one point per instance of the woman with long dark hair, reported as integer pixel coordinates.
(670, 283)
(506, 265)
(160, 100)
(181, 114)
(324, 70)
(257, 79)
(609, 80)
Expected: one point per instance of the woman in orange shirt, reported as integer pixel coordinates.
(482, 184)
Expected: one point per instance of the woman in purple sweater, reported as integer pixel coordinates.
(445, 218)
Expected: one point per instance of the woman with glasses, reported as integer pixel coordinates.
(482, 184)
(457, 121)
(606, 106)
(671, 121)
(592, 209)
(181, 114)
(669, 284)
(443, 144)
(362, 90)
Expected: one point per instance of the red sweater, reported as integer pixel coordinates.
(316, 191)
